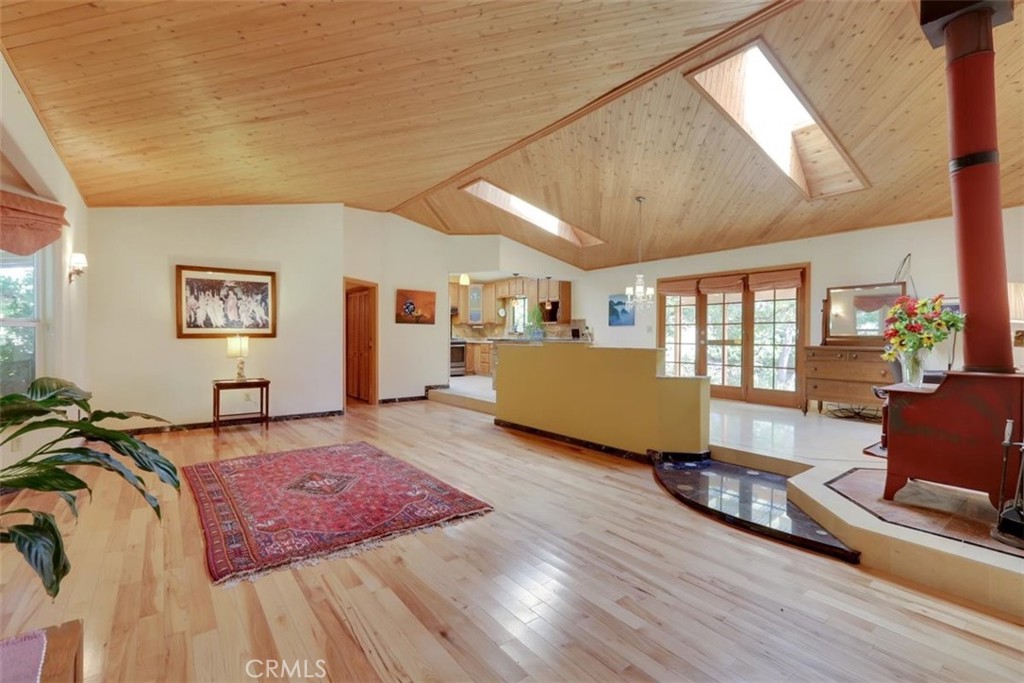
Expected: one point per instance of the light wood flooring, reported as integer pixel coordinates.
(585, 570)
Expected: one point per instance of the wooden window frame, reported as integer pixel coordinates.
(747, 393)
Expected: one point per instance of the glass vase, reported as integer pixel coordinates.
(912, 365)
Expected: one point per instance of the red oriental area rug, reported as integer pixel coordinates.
(263, 512)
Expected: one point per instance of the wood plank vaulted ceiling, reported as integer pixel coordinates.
(576, 107)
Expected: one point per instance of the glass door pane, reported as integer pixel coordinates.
(775, 340)
(681, 336)
(724, 334)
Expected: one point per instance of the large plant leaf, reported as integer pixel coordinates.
(18, 408)
(71, 500)
(145, 456)
(98, 415)
(55, 392)
(49, 388)
(37, 425)
(40, 476)
(43, 548)
(90, 457)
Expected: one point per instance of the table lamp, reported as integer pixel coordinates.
(238, 347)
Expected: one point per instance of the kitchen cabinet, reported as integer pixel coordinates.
(547, 290)
(476, 305)
(478, 358)
(453, 296)
(532, 288)
(564, 302)
(501, 289)
(517, 287)
(484, 359)
(461, 302)
(490, 308)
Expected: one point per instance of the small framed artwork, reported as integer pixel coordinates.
(951, 304)
(413, 307)
(618, 314)
(224, 302)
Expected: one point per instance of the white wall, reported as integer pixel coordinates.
(138, 362)
(519, 258)
(25, 144)
(397, 254)
(862, 256)
(61, 340)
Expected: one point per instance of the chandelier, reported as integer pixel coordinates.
(639, 296)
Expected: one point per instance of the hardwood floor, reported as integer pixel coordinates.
(585, 570)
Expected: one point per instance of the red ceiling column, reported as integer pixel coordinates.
(966, 30)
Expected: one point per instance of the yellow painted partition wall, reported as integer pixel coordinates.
(613, 397)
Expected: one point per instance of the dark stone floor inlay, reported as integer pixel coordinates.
(750, 499)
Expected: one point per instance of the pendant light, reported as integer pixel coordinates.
(639, 296)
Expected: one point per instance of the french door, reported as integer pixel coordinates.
(745, 337)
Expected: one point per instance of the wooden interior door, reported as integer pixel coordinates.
(359, 344)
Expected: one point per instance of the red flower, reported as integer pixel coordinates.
(891, 333)
(891, 319)
(916, 328)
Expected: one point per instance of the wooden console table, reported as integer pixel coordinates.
(263, 415)
(844, 374)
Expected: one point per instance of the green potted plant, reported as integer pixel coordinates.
(45, 407)
(535, 324)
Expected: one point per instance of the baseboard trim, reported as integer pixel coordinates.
(573, 441)
(402, 399)
(678, 456)
(232, 422)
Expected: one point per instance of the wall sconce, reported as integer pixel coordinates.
(77, 266)
(464, 279)
(238, 347)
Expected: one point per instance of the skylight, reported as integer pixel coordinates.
(523, 209)
(748, 87)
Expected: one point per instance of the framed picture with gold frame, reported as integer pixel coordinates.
(224, 302)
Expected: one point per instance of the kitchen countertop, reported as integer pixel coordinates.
(524, 340)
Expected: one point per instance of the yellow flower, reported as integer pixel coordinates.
(889, 355)
(927, 340)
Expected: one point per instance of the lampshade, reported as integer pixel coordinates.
(78, 261)
(238, 347)
(464, 279)
(1015, 292)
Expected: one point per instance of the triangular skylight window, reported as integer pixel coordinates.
(752, 90)
(520, 208)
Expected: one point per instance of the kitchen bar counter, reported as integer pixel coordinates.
(600, 395)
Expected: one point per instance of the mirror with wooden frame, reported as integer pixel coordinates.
(855, 315)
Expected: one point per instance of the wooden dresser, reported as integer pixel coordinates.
(844, 374)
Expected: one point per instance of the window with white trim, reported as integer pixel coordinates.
(19, 321)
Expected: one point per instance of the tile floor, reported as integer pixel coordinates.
(955, 513)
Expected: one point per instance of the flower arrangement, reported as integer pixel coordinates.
(914, 324)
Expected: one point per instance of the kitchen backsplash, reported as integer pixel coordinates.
(553, 331)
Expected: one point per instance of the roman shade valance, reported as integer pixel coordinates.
(28, 224)
(678, 288)
(873, 302)
(723, 284)
(775, 279)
